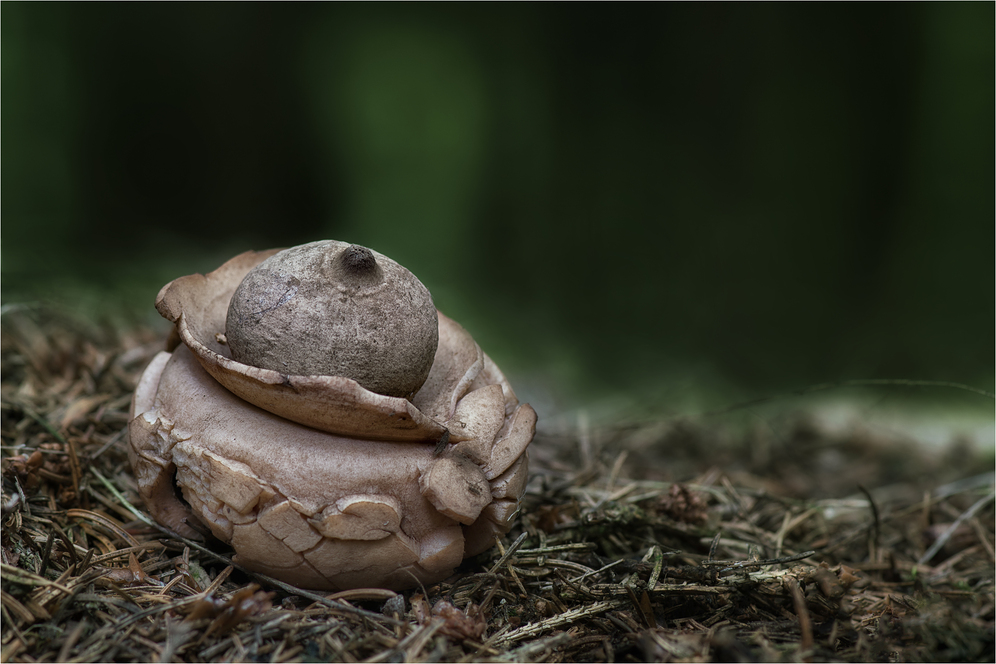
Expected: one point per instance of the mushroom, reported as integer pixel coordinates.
(316, 412)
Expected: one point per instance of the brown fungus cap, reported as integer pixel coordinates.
(333, 309)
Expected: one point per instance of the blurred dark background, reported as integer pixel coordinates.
(650, 199)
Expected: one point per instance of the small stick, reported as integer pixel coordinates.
(802, 611)
(508, 553)
(714, 545)
(943, 539)
(74, 636)
(658, 567)
(565, 618)
(740, 564)
(981, 534)
(875, 524)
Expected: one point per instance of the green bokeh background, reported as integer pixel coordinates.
(632, 201)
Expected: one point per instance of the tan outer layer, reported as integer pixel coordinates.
(308, 507)
(152, 460)
(314, 479)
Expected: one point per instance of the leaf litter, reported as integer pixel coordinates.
(680, 540)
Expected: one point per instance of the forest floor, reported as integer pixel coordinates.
(670, 541)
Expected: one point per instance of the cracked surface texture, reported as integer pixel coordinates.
(324, 509)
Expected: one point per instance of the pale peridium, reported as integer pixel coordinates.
(281, 516)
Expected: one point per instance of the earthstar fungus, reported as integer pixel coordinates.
(319, 414)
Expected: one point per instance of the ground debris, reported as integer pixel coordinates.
(613, 559)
